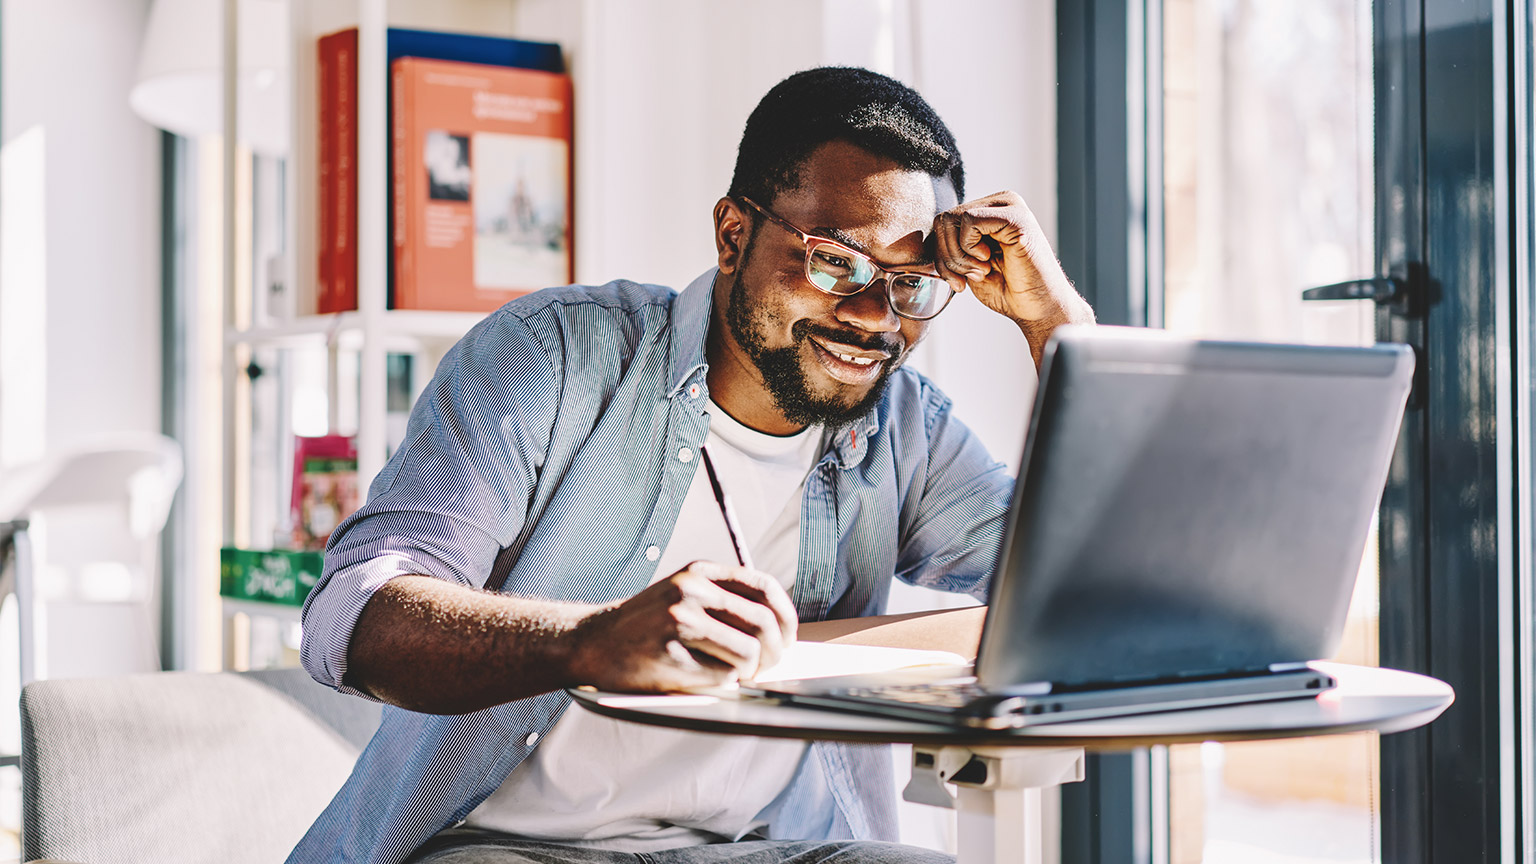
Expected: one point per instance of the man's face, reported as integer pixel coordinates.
(820, 358)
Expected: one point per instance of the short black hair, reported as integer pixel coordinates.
(810, 108)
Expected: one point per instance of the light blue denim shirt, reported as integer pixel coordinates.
(551, 450)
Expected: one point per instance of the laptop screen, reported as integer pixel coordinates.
(1189, 508)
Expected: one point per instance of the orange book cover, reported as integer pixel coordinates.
(482, 185)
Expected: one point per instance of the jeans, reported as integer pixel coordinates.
(476, 846)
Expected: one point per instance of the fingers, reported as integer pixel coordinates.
(714, 643)
(948, 259)
(763, 589)
(963, 251)
(969, 235)
(985, 230)
(739, 617)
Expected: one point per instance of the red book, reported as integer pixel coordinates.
(325, 200)
(346, 172)
(482, 183)
(339, 55)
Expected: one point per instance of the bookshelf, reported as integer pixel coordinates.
(356, 344)
(373, 330)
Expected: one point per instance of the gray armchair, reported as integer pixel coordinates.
(181, 766)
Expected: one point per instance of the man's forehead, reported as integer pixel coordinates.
(944, 196)
(843, 179)
(884, 212)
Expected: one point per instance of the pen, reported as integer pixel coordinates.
(726, 510)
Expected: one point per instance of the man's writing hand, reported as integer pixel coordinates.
(994, 246)
(691, 629)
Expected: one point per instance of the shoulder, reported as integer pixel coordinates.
(554, 317)
(912, 404)
(620, 295)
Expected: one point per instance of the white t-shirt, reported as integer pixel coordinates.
(632, 788)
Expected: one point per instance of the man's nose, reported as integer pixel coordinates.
(869, 309)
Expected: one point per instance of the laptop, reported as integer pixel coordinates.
(1186, 531)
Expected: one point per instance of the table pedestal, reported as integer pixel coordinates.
(997, 795)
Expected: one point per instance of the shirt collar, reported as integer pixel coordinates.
(851, 441)
(691, 314)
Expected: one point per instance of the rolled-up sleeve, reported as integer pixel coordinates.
(454, 494)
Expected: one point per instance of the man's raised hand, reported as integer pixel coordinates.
(691, 629)
(994, 246)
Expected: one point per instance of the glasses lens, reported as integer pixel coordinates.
(918, 296)
(836, 270)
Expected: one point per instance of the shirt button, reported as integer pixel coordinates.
(652, 553)
(532, 738)
(684, 454)
(693, 391)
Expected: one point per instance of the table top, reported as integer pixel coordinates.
(1366, 699)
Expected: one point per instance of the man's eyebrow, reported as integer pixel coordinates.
(844, 238)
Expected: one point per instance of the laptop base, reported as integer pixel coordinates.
(960, 701)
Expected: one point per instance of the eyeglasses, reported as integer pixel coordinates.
(843, 272)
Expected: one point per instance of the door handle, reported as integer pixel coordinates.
(1382, 289)
(1405, 298)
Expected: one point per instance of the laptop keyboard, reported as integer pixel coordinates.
(942, 694)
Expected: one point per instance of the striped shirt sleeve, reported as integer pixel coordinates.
(453, 495)
(952, 543)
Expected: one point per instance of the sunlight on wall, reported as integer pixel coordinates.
(23, 297)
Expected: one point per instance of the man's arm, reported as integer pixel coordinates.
(433, 646)
(400, 614)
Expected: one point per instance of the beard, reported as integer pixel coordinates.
(783, 369)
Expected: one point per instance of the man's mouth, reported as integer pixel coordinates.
(847, 363)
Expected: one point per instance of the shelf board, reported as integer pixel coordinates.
(426, 324)
(395, 326)
(299, 330)
(256, 608)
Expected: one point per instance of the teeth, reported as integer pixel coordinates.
(857, 361)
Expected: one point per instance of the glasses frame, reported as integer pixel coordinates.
(811, 241)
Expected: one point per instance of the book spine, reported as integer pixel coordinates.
(474, 48)
(403, 293)
(325, 200)
(570, 180)
(346, 171)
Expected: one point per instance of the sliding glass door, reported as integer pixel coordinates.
(1269, 190)
(1217, 159)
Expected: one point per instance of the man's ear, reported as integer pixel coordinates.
(731, 232)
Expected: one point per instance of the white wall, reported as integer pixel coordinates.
(79, 304)
(79, 281)
(93, 234)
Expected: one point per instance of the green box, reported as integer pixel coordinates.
(268, 576)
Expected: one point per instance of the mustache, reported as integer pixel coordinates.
(868, 341)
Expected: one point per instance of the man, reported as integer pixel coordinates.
(545, 524)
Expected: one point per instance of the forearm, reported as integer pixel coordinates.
(1068, 308)
(433, 646)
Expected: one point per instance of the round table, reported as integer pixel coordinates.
(1000, 773)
